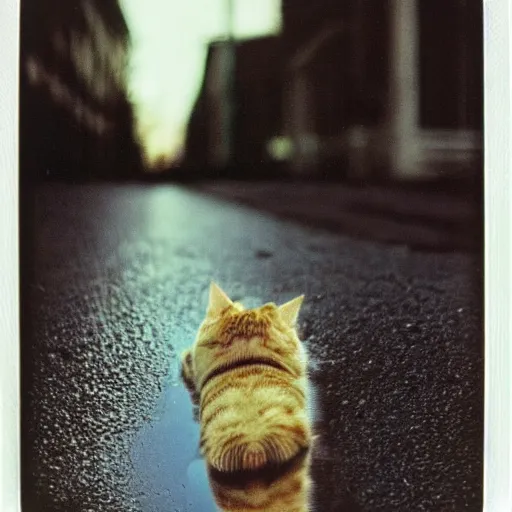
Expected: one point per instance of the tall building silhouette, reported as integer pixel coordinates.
(75, 118)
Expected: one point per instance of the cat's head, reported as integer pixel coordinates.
(230, 332)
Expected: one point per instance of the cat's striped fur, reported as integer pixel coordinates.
(247, 372)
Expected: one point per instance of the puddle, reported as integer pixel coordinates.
(199, 496)
(171, 474)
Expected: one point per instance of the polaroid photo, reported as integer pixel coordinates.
(256, 256)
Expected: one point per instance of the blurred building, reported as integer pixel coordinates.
(256, 117)
(357, 88)
(75, 118)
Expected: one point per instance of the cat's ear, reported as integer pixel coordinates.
(289, 312)
(218, 301)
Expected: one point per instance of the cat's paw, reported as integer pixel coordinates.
(187, 374)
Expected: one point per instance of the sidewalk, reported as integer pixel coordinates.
(422, 219)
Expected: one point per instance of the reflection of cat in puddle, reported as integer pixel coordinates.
(246, 373)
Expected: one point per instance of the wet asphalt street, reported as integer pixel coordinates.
(116, 284)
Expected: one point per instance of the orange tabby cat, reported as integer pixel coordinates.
(247, 373)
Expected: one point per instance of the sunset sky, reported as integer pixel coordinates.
(169, 41)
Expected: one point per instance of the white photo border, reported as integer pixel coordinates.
(9, 261)
(498, 257)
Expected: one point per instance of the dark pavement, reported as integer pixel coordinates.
(117, 279)
(432, 216)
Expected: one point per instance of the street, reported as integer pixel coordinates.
(117, 281)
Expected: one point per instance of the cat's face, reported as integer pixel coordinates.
(230, 333)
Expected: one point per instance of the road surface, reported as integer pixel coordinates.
(115, 286)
